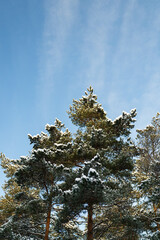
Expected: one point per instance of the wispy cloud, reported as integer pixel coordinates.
(95, 50)
(135, 62)
(150, 103)
(115, 49)
(121, 69)
(59, 18)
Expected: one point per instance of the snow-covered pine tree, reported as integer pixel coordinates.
(7, 203)
(11, 201)
(43, 170)
(148, 176)
(86, 190)
(106, 184)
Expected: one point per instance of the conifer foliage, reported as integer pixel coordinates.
(148, 176)
(85, 177)
(110, 140)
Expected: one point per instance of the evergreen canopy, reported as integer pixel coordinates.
(78, 186)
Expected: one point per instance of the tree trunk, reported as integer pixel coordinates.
(90, 222)
(155, 211)
(48, 221)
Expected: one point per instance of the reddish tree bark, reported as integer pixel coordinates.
(90, 222)
(48, 222)
(155, 211)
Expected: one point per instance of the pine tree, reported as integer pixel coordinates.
(148, 175)
(42, 170)
(110, 139)
(7, 203)
(10, 202)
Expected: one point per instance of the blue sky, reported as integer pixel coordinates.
(52, 50)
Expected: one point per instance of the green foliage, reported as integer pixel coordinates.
(86, 110)
(67, 178)
(110, 139)
(148, 175)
